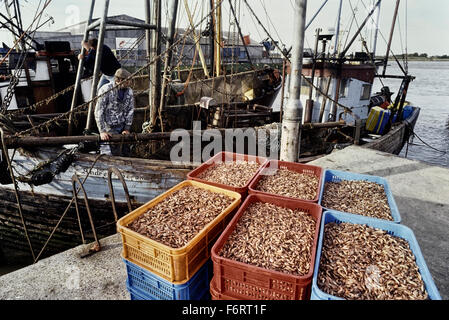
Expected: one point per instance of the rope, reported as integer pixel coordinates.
(425, 143)
(19, 204)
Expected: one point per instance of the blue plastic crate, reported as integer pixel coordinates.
(393, 229)
(136, 294)
(145, 284)
(337, 176)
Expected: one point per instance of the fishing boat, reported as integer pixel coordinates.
(42, 215)
(50, 166)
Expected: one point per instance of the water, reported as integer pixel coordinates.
(429, 92)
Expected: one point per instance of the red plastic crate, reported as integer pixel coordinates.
(297, 167)
(246, 282)
(224, 157)
(217, 296)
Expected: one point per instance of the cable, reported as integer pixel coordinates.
(425, 143)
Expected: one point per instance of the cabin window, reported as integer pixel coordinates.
(366, 92)
(344, 88)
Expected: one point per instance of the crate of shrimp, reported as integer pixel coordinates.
(288, 180)
(360, 258)
(227, 170)
(359, 194)
(171, 236)
(268, 250)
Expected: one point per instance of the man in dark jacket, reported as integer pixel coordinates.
(109, 63)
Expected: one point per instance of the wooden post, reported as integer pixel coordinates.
(358, 129)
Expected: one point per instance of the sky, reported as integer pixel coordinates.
(422, 25)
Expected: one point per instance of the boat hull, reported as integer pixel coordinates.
(393, 142)
(44, 206)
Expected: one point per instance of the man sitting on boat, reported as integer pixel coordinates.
(109, 63)
(114, 112)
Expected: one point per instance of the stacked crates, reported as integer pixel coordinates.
(234, 280)
(158, 272)
(198, 271)
(392, 227)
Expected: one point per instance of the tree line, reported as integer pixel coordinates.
(417, 55)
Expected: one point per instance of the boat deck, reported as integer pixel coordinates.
(420, 191)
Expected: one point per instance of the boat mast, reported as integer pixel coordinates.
(376, 35)
(219, 39)
(98, 57)
(337, 81)
(387, 55)
(147, 5)
(156, 67)
(212, 38)
(240, 32)
(337, 34)
(168, 56)
(197, 39)
(79, 73)
(291, 133)
(345, 50)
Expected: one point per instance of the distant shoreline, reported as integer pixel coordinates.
(427, 59)
(423, 59)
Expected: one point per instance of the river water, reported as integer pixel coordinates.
(430, 92)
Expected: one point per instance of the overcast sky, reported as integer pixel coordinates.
(423, 29)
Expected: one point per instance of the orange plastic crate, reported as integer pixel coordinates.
(224, 157)
(237, 280)
(296, 167)
(174, 265)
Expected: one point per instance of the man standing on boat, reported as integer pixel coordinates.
(114, 112)
(109, 63)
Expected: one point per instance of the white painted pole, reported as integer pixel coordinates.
(291, 133)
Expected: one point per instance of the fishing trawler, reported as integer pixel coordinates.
(339, 110)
